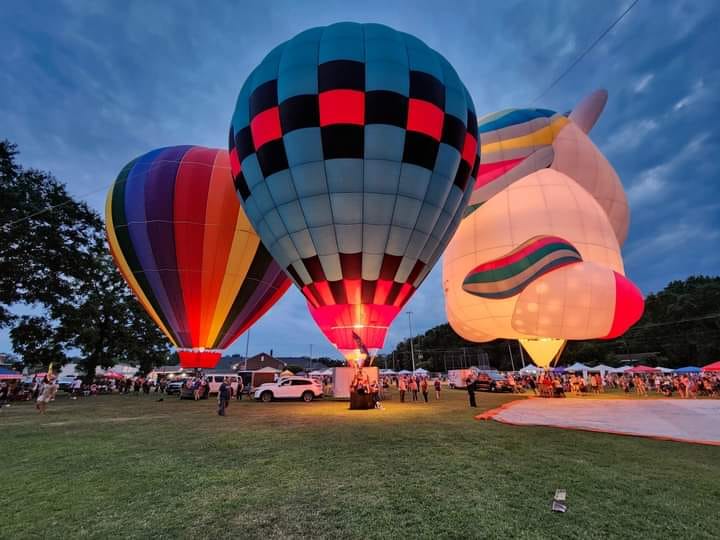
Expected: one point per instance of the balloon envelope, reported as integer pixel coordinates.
(186, 249)
(352, 149)
(537, 254)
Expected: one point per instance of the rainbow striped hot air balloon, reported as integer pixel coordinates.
(188, 252)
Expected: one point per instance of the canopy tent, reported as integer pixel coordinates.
(622, 369)
(640, 369)
(665, 369)
(316, 372)
(715, 366)
(404, 372)
(558, 370)
(600, 368)
(267, 369)
(577, 366)
(388, 372)
(421, 371)
(530, 370)
(688, 369)
(113, 375)
(9, 375)
(328, 372)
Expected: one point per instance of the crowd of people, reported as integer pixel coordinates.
(684, 385)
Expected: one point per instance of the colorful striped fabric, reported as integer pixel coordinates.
(513, 144)
(186, 249)
(509, 275)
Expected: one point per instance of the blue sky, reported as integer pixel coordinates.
(85, 86)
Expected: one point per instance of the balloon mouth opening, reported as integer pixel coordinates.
(198, 358)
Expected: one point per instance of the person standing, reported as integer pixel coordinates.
(223, 397)
(470, 384)
(438, 387)
(402, 387)
(424, 388)
(47, 394)
(414, 388)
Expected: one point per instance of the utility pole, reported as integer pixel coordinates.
(412, 351)
(512, 362)
(247, 348)
(311, 351)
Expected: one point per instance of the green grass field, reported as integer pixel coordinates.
(126, 466)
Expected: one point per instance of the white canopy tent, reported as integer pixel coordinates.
(530, 369)
(577, 367)
(404, 372)
(421, 371)
(600, 368)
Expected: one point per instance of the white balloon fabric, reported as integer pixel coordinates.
(537, 255)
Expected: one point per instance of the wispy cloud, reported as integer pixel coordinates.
(652, 182)
(642, 83)
(629, 137)
(696, 94)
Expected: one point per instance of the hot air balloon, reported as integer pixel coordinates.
(352, 147)
(537, 255)
(186, 249)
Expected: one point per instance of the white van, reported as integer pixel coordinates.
(216, 379)
(457, 377)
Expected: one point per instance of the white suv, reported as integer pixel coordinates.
(289, 388)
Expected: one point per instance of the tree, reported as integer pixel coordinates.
(40, 251)
(53, 255)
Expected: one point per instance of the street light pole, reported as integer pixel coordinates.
(412, 350)
(247, 348)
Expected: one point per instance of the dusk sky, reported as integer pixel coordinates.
(85, 86)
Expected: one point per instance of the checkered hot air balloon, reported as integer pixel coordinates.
(352, 147)
(186, 249)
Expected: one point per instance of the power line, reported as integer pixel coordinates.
(71, 199)
(586, 51)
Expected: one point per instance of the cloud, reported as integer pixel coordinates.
(695, 95)
(653, 182)
(630, 136)
(642, 83)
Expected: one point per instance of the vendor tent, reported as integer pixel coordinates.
(640, 369)
(267, 369)
(600, 368)
(577, 367)
(665, 370)
(530, 370)
(9, 375)
(688, 369)
(715, 366)
(622, 369)
(404, 372)
(421, 371)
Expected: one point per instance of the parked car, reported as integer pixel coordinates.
(303, 388)
(174, 387)
(491, 381)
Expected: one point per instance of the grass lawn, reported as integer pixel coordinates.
(126, 466)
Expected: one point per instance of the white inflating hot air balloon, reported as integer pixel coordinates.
(537, 254)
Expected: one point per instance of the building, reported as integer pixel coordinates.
(254, 363)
